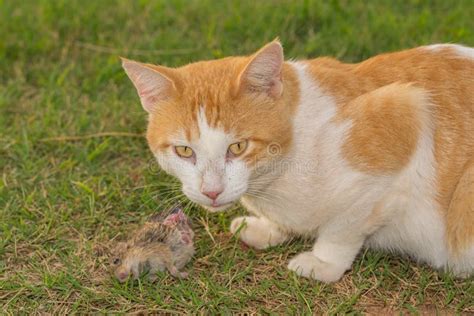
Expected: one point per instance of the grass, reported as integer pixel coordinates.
(63, 200)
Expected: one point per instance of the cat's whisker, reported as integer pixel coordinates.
(259, 196)
(189, 205)
(160, 183)
(168, 199)
(268, 190)
(163, 192)
(165, 185)
(270, 196)
(156, 189)
(235, 207)
(172, 199)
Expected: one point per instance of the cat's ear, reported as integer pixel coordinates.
(263, 72)
(153, 83)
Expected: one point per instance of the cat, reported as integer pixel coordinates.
(377, 154)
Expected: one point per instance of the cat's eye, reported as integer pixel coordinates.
(237, 149)
(116, 261)
(184, 151)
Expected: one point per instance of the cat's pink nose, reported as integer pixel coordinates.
(212, 194)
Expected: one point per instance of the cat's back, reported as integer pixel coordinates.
(445, 68)
(444, 71)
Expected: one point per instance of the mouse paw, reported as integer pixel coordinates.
(184, 275)
(152, 277)
(177, 274)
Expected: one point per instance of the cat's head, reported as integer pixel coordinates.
(213, 123)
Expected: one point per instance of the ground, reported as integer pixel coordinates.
(77, 174)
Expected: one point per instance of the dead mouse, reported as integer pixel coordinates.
(162, 243)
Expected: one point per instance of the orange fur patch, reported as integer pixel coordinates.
(386, 124)
(213, 85)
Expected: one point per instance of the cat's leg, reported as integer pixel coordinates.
(258, 232)
(328, 260)
(338, 243)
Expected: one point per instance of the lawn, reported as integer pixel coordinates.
(77, 173)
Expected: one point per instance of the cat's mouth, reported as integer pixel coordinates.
(212, 205)
(217, 207)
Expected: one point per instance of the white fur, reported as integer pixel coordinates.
(463, 51)
(211, 170)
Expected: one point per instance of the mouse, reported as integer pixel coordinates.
(162, 243)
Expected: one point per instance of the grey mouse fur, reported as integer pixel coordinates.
(162, 243)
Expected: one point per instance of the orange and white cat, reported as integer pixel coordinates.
(379, 153)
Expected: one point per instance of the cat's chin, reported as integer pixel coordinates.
(214, 209)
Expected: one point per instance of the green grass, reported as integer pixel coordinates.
(61, 202)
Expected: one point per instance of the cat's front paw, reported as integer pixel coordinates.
(306, 264)
(257, 232)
